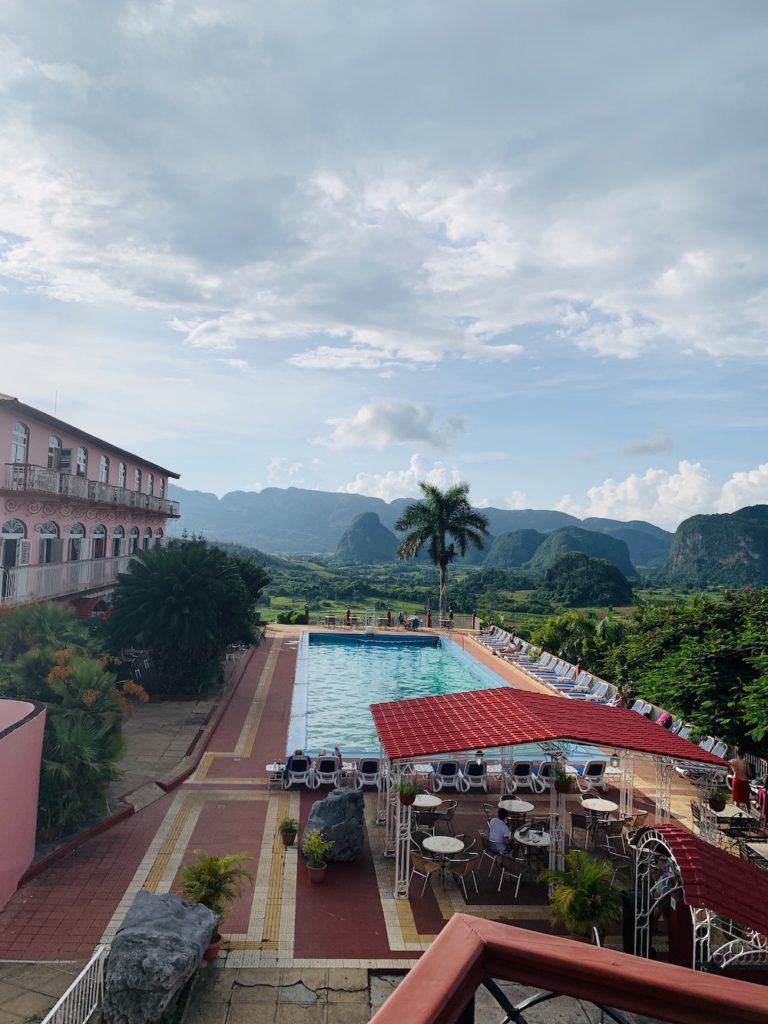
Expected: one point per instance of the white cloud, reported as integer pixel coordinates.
(749, 487)
(658, 496)
(403, 483)
(384, 422)
(660, 441)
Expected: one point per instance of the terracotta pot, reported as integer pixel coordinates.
(407, 798)
(717, 805)
(289, 838)
(563, 787)
(212, 951)
(316, 875)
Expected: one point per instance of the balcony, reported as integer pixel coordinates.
(27, 583)
(39, 480)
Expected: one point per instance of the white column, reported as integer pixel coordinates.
(664, 768)
(402, 849)
(627, 782)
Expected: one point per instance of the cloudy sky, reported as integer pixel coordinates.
(349, 245)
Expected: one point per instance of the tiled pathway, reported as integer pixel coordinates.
(281, 921)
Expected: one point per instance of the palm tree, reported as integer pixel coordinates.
(441, 514)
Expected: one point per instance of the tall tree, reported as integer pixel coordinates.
(184, 604)
(440, 515)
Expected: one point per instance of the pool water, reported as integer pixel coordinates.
(339, 676)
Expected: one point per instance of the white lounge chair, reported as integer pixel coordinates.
(325, 772)
(475, 775)
(297, 770)
(521, 777)
(591, 777)
(448, 776)
(367, 773)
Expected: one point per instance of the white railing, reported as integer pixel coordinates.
(84, 996)
(39, 582)
(38, 479)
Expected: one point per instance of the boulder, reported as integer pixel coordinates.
(155, 952)
(340, 818)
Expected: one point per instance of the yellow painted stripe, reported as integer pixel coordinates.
(166, 850)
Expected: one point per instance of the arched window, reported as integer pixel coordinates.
(137, 480)
(99, 542)
(103, 469)
(159, 537)
(121, 474)
(147, 538)
(133, 540)
(54, 452)
(77, 542)
(150, 483)
(118, 541)
(50, 544)
(82, 462)
(19, 443)
(14, 548)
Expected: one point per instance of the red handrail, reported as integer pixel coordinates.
(441, 983)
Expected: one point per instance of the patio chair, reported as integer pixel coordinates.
(475, 775)
(469, 842)
(707, 743)
(685, 732)
(696, 815)
(448, 776)
(488, 850)
(447, 815)
(511, 867)
(325, 772)
(614, 835)
(425, 819)
(490, 811)
(462, 868)
(417, 838)
(521, 777)
(367, 773)
(640, 706)
(720, 749)
(423, 867)
(591, 777)
(579, 821)
(298, 771)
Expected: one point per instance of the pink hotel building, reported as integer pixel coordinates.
(73, 508)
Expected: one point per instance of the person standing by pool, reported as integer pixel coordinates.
(415, 622)
(389, 617)
(450, 618)
(401, 619)
(429, 619)
(742, 773)
(348, 617)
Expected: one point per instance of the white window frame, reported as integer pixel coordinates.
(19, 443)
(104, 469)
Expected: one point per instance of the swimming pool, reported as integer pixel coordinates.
(338, 675)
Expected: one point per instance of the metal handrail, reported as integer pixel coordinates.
(41, 480)
(84, 996)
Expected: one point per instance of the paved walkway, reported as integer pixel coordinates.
(351, 923)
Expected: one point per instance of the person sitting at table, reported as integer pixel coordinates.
(499, 832)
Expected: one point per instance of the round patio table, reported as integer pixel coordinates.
(529, 837)
(426, 801)
(516, 806)
(599, 806)
(443, 846)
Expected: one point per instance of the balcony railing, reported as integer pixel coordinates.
(440, 988)
(26, 583)
(39, 480)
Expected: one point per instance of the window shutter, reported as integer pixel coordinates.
(23, 552)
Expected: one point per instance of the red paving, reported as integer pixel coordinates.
(62, 914)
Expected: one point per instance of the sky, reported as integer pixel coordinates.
(349, 246)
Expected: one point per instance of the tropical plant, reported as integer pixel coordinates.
(184, 604)
(315, 848)
(45, 625)
(561, 775)
(582, 896)
(215, 880)
(288, 825)
(441, 514)
(407, 788)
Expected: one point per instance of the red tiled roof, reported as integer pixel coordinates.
(717, 880)
(504, 716)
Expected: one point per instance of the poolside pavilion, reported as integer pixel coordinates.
(460, 723)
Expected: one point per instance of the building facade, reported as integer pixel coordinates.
(73, 509)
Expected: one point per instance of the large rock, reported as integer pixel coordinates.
(155, 952)
(340, 818)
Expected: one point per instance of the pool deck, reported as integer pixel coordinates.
(281, 920)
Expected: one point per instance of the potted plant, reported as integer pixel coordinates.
(288, 828)
(407, 791)
(582, 897)
(214, 881)
(718, 800)
(562, 780)
(314, 849)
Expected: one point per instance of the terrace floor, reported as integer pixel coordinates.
(351, 922)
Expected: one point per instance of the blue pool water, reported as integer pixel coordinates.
(339, 675)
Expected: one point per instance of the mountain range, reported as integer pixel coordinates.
(295, 521)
